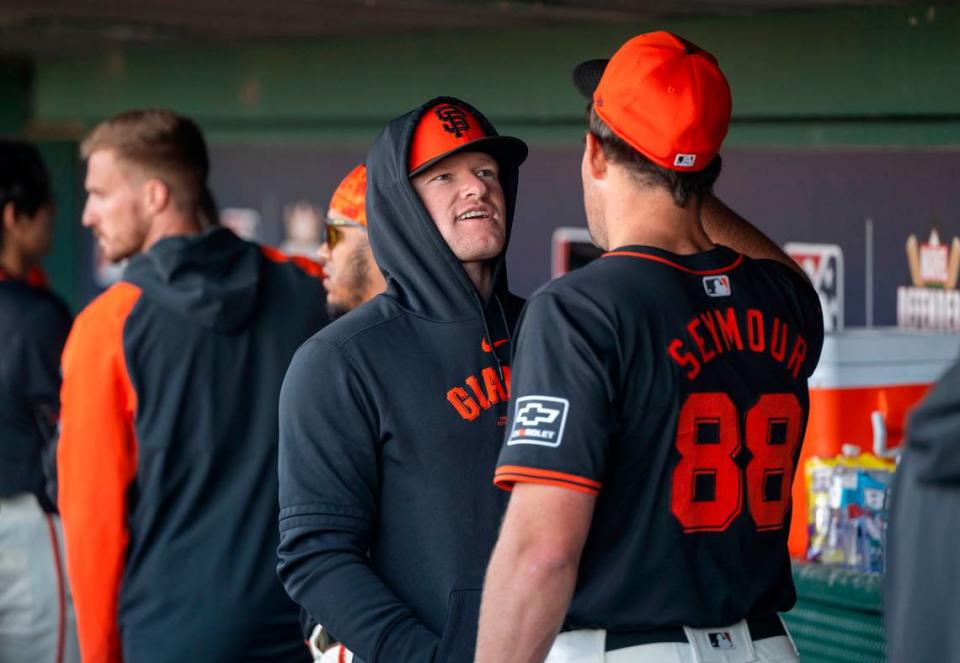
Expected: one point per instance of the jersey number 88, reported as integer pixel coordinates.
(707, 489)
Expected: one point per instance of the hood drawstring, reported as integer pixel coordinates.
(506, 327)
(493, 350)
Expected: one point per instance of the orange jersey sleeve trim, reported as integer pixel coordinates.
(700, 272)
(508, 475)
(96, 463)
(311, 267)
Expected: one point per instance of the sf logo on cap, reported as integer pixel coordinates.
(452, 119)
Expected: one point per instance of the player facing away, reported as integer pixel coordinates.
(387, 513)
(660, 398)
(167, 455)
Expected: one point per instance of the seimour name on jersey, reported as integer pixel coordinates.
(715, 332)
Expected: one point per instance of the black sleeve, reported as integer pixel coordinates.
(562, 395)
(805, 303)
(329, 492)
(34, 372)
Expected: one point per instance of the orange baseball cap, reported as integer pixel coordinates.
(664, 96)
(348, 199)
(449, 128)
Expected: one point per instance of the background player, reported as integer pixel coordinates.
(660, 399)
(36, 614)
(351, 275)
(168, 448)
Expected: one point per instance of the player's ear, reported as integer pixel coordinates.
(156, 195)
(594, 159)
(9, 216)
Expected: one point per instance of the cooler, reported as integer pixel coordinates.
(862, 371)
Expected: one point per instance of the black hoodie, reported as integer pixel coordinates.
(923, 576)
(168, 453)
(391, 419)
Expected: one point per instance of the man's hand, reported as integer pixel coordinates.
(532, 573)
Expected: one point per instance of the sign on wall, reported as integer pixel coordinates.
(823, 264)
(932, 301)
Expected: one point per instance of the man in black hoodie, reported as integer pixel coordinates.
(168, 446)
(387, 512)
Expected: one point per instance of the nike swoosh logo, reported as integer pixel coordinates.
(496, 344)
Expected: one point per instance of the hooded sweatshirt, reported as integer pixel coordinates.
(167, 454)
(388, 515)
(923, 577)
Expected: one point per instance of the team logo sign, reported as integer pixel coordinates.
(452, 119)
(685, 160)
(932, 301)
(717, 286)
(539, 420)
(933, 264)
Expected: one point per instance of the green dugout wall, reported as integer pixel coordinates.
(863, 79)
(867, 77)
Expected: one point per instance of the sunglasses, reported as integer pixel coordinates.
(333, 230)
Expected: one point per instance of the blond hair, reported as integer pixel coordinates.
(160, 143)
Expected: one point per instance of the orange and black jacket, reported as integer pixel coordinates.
(167, 455)
(388, 515)
(34, 324)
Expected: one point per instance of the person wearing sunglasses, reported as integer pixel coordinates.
(351, 275)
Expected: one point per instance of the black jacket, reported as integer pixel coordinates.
(923, 576)
(390, 423)
(34, 324)
(168, 453)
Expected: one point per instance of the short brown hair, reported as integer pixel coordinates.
(681, 184)
(165, 145)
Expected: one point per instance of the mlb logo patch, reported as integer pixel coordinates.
(717, 286)
(539, 420)
(721, 640)
(685, 160)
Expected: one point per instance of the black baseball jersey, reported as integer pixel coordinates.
(673, 387)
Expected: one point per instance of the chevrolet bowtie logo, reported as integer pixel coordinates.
(535, 414)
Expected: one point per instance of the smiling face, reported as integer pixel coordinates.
(463, 196)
